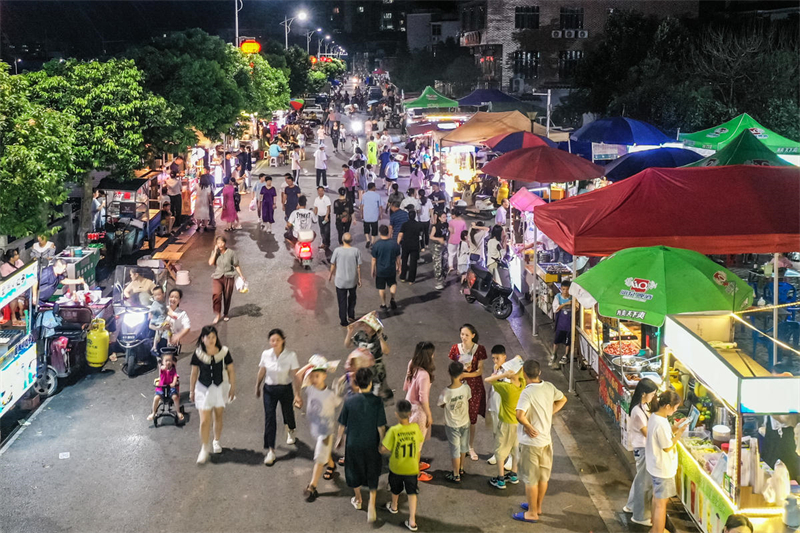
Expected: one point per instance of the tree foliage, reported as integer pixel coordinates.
(678, 74)
(36, 157)
(112, 112)
(263, 88)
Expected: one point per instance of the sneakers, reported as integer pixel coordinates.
(439, 286)
(648, 522)
(269, 460)
(511, 477)
(492, 460)
(355, 503)
(563, 360)
(202, 458)
(290, 436)
(497, 483)
(215, 447)
(626, 509)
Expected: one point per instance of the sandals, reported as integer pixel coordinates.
(449, 476)
(329, 471)
(473, 455)
(341, 461)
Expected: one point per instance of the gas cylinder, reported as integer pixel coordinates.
(97, 343)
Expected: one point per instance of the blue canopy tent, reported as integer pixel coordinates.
(633, 163)
(620, 130)
(480, 97)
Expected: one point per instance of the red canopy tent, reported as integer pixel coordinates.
(542, 164)
(712, 210)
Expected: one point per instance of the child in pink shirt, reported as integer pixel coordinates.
(167, 378)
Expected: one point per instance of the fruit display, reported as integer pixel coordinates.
(705, 405)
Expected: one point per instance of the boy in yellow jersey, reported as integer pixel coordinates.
(508, 384)
(403, 442)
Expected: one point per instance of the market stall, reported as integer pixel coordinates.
(728, 460)
(744, 149)
(131, 216)
(719, 137)
(483, 126)
(17, 347)
(81, 263)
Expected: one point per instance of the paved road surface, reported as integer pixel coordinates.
(124, 475)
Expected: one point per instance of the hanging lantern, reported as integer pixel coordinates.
(250, 46)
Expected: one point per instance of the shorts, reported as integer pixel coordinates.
(362, 468)
(173, 391)
(535, 463)
(381, 282)
(505, 440)
(371, 228)
(458, 439)
(562, 337)
(322, 450)
(398, 483)
(664, 487)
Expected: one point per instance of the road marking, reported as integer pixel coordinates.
(16, 435)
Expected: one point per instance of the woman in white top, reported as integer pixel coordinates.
(639, 495)
(661, 457)
(204, 202)
(44, 250)
(425, 212)
(494, 250)
(276, 373)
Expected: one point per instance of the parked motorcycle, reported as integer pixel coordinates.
(482, 287)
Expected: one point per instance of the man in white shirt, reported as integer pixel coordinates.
(301, 219)
(392, 170)
(537, 404)
(411, 199)
(322, 209)
(501, 217)
(321, 165)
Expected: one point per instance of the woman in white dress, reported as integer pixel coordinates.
(203, 202)
(212, 387)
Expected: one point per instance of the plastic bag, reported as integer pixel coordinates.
(253, 204)
(240, 285)
(778, 487)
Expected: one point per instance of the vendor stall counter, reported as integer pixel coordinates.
(728, 461)
(17, 347)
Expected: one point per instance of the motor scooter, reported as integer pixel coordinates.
(303, 249)
(62, 332)
(482, 287)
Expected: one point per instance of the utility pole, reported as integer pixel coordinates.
(238, 5)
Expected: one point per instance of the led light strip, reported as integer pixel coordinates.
(767, 308)
(773, 339)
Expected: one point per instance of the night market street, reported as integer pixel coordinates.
(124, 475)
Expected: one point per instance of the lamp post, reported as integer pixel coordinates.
(308, 39)
(319, 44)
(287, 24)
(238, 5)
(17, 61)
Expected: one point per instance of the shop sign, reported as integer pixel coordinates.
(759, 133)
(787, 150)
(717, 132)
(250, 46)
(627, 313)
(17, 374)
(18, 284)
(638, 288)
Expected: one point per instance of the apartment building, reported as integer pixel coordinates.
(559, 33)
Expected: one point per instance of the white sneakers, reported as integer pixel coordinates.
(202, 458)
(215, 447)
(648, 522)
(289, 436)
(493, 461)
(269, 460)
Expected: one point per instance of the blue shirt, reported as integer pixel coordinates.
(385, 252)
(48, 281)
(384, 158)
(372, 202)
(257, 189)
(274, 150)
(397, 219)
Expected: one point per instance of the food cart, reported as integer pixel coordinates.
(131, 216)
(729, 395)
(17, 347)
(81, 263)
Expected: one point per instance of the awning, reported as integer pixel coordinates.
(483, 126)
(712, 210)
(718, 137)
(430, 98)
(745, 149)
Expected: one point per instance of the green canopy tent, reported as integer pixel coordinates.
(719, 137)
(430, 99)
(745, 149)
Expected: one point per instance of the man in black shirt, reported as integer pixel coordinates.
(409, 239)
(439, 198)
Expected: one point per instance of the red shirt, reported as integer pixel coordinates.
(350, 179)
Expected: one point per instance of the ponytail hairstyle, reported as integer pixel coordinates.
(645, 386)
(668, 397)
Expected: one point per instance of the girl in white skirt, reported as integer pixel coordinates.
(212, 387)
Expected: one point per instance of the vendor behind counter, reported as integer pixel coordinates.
(51, 276)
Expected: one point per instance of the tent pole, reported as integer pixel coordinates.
(535, 276)
(572, 334)
(775, 309)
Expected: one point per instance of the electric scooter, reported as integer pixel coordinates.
(482, 287)
(303, 249)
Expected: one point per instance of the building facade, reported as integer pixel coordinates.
(425, 30)
(557, 33)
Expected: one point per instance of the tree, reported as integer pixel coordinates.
(299, 67)
(36, 157)
(445, 61)
(112, 111)
(462, 73)
(264, 89)
(193, 70)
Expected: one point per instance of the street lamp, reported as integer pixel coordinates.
(287, 24)
(238, 5)
(319, 44)
(17, 61)
(308, 39)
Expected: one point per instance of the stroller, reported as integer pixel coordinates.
(167, 405)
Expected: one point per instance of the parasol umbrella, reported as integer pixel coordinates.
(542, 164)
(647, 284)
(506, 142)
(620, 130)
(525, 200)
(297, 103)
(633, 163)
